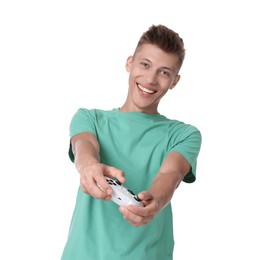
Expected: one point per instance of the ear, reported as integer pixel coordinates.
(129, 63)
(177, 78)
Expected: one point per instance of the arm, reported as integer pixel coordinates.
(86, 150)
(160, 193)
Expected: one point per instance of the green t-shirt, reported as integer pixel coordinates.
(136, 143)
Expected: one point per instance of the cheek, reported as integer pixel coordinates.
(165, 86)
(131, 82)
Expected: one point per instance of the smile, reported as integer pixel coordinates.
(145, 90)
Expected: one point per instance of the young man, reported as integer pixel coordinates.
(137, 145)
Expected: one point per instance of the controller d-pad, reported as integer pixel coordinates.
(111, 182)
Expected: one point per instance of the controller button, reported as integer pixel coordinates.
(111, 182)
(137, 198)
(130, 191)
(118, 182)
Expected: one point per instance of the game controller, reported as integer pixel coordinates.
(121, 195)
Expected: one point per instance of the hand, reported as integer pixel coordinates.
(93, 183)
(140, 216)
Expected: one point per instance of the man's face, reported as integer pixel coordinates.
(152, 72)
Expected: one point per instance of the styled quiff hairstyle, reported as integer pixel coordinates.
(166, 39)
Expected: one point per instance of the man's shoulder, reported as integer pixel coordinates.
(95, 111)
(178, 124)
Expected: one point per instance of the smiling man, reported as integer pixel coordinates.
(152, 72)
(137, 145)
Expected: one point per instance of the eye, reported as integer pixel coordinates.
(165, 73)
(144, 65)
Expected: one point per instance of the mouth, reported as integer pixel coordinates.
(146, 90)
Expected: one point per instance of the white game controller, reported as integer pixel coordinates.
(121, 195)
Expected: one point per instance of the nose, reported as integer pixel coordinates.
(151, 77)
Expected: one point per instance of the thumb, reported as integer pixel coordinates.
(145, 195)
(113, 172)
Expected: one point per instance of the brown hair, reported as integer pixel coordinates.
(166, 39)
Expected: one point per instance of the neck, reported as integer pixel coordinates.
(128, 108)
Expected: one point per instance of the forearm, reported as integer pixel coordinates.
(164, 186)
(160, 193)
(171, 173)
(86, 149)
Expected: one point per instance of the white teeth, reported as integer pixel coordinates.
(146, 90)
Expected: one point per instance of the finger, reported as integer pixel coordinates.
(100, 194)
(147, 211)
(145, 195)
(103, 185)
(137, 210)
(92, 189)
(133, 219)
(128, 215)
(113, 172)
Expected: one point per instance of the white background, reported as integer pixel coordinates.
(57, 56)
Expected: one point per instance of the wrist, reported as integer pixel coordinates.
(160, 198)
(83, 165)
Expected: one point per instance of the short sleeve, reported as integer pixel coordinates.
(188, 144)
(82, 121)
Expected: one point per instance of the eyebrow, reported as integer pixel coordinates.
(166, 68)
